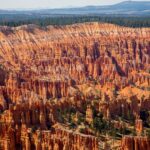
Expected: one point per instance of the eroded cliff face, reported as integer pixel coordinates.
(102, 51)
(45, 72)
(137, 143)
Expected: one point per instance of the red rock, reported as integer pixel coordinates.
(53, 69)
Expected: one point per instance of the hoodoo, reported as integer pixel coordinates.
(74, 87)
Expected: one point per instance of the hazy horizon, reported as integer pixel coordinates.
(38, 4)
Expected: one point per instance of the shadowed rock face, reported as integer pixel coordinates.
(3, 75)
(44, 70)
(136, 143)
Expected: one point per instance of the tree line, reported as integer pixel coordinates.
(16, 20)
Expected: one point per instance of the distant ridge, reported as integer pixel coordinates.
(124, 8)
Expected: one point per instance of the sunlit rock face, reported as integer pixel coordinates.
(105, 52)
(43, 71)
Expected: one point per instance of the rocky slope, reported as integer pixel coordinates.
(45, 72)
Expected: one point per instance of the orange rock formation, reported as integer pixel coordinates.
(45, 70)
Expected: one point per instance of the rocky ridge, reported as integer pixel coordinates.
(46, 70)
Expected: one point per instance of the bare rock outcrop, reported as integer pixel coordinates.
(135, 143)
(83, 69)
